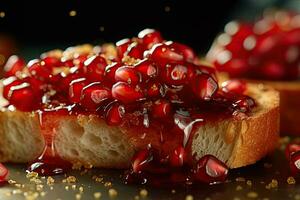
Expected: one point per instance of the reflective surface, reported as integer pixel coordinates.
(253, 182)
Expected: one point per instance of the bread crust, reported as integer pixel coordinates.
(249, 139)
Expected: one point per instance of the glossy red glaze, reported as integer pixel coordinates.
(157, 95)
(13, 65)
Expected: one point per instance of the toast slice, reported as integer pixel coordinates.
(89, 140)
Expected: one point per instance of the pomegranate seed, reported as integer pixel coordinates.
(235, 86)
(8, 83)
(135, 50)
(93, 95)
(13, 65)
(175, 74)
(273, 70)
(161, 109)
(51, 62)
(38, 69)
(150, 37)
(295, 163)
(244, 104)
(147, 68)
(110, 71)
(235, 67)
(79, 60)
(4, 173)
(154, 89)
(122, 46)
(115, 114)
(141, 160)
(187, 52)
(290, 149)
(95, 68)
(126, 93)
(127, 74)
(178, 157)
(204, 86)
(163, 54)
(23, 97)
(210, 170)
(67, 62)
(75, 89)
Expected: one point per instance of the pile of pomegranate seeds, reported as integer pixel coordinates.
(3, 174)
(155, 90)
(267, 49)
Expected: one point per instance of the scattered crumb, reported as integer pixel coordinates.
(32, 175)
(107, 184)
(73, 187)
(69, 179)
(136, 197)
(189, 197)
(249, 183)
(43, 194)
(238, 188)
(50, 180)
(67, 188)
(297, 197)
(39, 187)
(273, 184)
(12, 181)
(80, 189)
(112, 193)
(88, 166)
(291, 180)
(143, 193)
(240, 179)
(252, 195)
(78, 196)
(97, 195)
(173, 191)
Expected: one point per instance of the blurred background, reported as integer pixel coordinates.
(29, 28)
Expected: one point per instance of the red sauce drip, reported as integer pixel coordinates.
(156, 91)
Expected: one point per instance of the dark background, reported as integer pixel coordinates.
(42, 25)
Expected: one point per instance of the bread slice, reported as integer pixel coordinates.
(89, 140)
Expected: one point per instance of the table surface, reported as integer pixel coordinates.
(252, 182)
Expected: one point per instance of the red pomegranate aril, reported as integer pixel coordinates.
(163, 54)
(38, 70)
(110, 71)
(161, 109)
(8, 83)
(290, 149)
(127, 93)
(23, 97)
(178, 157)
(204, 86)
(114, 114)
(51, 62)
(75, 89)
(13, 65)
(244, 104)
(3, 173)
(93, 95)
(150, 37)
(210, 170)
(95, 67)
(135, 50)
(127, 74)
(154, 89)
(141, 160)
(67, 62)
(186, 51)
(122, 46)
(79, 60)
(295, 163)
(175, 74)
(235, 86)
(273, 70)
(147, 68)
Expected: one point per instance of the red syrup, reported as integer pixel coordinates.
(158, 100)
